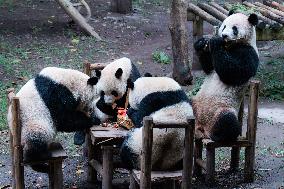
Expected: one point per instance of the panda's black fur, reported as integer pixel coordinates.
(163, 99)
(62, 105)
(55, 100)
(113, 72)
(229, 60)
(235, 63)
(154, 102)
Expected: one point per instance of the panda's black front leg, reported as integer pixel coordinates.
(135, 116)
(201, 47)
(74, 121)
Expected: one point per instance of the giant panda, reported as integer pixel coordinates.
(56, 100)
(163, 99)
(112, 80)
(100, 112)
(229, 60)
(111, 85)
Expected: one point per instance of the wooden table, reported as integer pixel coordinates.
(101, 141)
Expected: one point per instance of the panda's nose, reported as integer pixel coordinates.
(224, 36)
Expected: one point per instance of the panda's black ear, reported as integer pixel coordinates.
(147, 74)
(130, 84)
(98, 73)
(92, 81)
(253, 19)
(231, 12)
(118, 73)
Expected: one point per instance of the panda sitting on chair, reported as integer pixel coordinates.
(56, 100)
(164, 100)
(229, 61)
(111, 85)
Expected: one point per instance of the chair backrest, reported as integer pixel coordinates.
(253, 100)
(147, 137)
(252, 110)
(16, 128)
(88, 67)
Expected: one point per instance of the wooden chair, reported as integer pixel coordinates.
(144, 176)
(57, 153)
(247, 141)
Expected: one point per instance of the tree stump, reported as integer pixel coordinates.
(121, 6)
(181, 70)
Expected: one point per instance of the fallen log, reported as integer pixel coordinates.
(77, 17)
(213, 11)
(272, 24)
(203, 14)
(218, 7)
(275, 11)
(274, 4)
(266, 13)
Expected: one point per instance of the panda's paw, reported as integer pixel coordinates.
(216, 43)
(201, 44)
(79, 138)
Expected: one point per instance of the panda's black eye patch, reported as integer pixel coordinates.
(102, 93)
(235, 30)
(114, 93)
(224, 28)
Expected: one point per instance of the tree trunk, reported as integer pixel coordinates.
(181, 69)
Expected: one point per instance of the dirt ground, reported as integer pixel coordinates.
(35, 34)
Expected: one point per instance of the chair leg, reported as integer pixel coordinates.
(235, 158)
(249, 164)
(198, 155)
(133, 184)
(12, 160)
(19, 168)
(107, 167)
(210, 165)
(55, 174)
(92, 174)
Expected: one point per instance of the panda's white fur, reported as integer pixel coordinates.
(215, 98)
(167, 148)
(108, 81)
(99, 113)
(245, 29)
(38, 125)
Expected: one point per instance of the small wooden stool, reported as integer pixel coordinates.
(247, 141)
(145, 176)
(57, 153)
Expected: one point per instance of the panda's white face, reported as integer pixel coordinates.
(113, 80)
(236, 26)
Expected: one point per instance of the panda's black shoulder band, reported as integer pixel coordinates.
(98, 73)
(130, 84)
(92, 81)
(118, 73)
